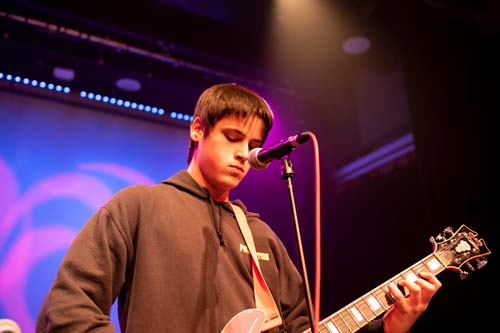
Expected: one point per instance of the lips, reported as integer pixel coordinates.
(238, 168)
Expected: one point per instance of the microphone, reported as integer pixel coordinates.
(259, 158)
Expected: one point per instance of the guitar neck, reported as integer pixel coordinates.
(450, 253)
(357, 314)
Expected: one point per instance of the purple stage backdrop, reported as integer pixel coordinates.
(59, 163)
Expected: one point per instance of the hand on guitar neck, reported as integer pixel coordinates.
(403, 298)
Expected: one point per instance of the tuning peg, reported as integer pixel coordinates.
(448, 231)
(432, 240)
(463, 274)
(442, 236)
(480, 263)
(470, 267)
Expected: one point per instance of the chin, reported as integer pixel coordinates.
(232, 181)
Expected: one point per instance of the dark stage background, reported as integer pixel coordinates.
(429, 78)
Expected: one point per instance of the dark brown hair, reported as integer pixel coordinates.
(227, 99)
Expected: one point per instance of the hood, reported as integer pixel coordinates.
(183, 181)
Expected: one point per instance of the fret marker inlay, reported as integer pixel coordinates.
(356, 314)
(434, 264)
(373, 303)
(411, 277)
(332, 328)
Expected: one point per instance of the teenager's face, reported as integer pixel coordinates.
(221, 159)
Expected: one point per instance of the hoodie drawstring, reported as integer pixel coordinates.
(217, 224)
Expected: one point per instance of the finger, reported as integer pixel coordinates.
(411, 286)
(396, 293)
(431, 278)
(430, 285)
(427, 285)
(414, 291)
(428, 282)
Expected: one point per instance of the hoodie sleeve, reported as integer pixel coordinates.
(374, 326)
(88, 280)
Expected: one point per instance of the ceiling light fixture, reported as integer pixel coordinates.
(63, 74)
(356, 45)
(128, 84)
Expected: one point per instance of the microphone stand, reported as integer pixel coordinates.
(287, 174)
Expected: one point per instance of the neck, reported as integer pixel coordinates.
(219, 196)
(224, 197)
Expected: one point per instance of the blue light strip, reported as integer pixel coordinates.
(95, 97)
(376, 159)
(122, 103)
(181, 116)
(35, 83)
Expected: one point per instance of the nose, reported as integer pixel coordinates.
(242, 152)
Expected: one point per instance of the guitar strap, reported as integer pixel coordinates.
(263, 298)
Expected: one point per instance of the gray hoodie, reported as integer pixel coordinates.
(174, 259)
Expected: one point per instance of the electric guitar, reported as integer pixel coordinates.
(451, 250)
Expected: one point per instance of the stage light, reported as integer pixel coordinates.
(180, 116)
(16, 79)
(122, 103)
(63, 74)
(128, 84)
(356, 45)
(34, 83)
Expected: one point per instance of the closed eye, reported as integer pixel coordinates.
(237, 136)
(232, 138)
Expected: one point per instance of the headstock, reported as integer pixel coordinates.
(460, 249)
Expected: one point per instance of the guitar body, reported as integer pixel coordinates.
(9, 326)
(451, 251)
(247, 321)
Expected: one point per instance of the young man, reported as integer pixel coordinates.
(172, 253)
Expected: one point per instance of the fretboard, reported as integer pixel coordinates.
(374, 303)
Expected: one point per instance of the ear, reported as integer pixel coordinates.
(196, 130)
